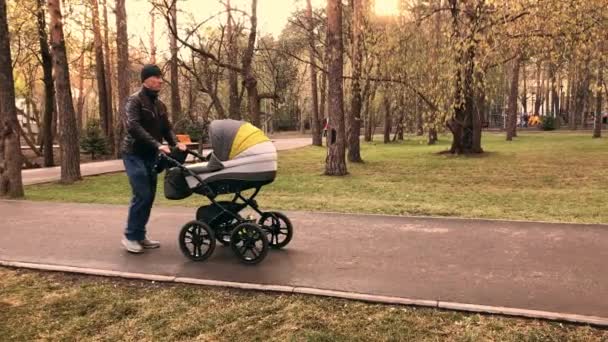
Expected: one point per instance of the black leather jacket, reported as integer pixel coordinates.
(146, 123)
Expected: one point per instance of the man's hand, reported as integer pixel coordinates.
(164, 149)
(181, 147)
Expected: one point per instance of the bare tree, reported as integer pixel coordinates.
(354, 117)
(387, 116)
(81, 72)
(11, 184)
(49, 87)
(108, 64)
(102, 90)
(176, 106)
(68, 136)
(122, 56)
(234, 110)
(153, 35)
(316, 120)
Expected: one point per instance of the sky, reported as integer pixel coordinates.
(272, 16)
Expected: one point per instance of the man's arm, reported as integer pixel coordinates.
(133, 125)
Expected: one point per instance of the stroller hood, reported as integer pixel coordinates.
(229, 138)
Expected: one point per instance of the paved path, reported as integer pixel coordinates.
(51, 174)
(559, 268)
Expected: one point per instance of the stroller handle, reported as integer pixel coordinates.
(196, 154)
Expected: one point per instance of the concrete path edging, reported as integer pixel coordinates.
(484, 309)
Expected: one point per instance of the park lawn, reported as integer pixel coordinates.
(558, 177)
(56, 306)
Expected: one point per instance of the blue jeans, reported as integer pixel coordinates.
(142, 178)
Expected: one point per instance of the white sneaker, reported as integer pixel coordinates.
(148, 244)
(132, 246)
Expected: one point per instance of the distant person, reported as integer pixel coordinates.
(526, 117)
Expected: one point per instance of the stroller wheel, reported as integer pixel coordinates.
(249, 243)
(278, 228)
(196, 240)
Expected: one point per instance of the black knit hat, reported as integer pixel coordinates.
(150, 70)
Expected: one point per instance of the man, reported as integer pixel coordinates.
(146, 125)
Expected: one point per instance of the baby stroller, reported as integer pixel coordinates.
(243, 158)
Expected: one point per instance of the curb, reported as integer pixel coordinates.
(484, 309)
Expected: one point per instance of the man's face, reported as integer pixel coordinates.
(153, 83)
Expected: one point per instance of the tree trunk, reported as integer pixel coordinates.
(234, 106)
(49, 88)
(80, 100)
(109, 77)
(152, 37)
(105, 118)
(479, 109)
(538, 99)
(387, 118)
(323, 100)
(317, 139)
(176, 106)
(249, 80)
(554, 95)
(418, 114)
(582, 93)
(597, 123)
(464, 124)
(303, 120)
(368, 112)
(568, 96)
(354, 117)
(524, 98)
(512, 108)
(11, 184)
(335, 163)
(122, 56)
(68, 137)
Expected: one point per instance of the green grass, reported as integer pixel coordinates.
(540, 176)
(54, 306)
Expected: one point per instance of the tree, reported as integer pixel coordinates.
(513, 94)
(49, 87)
(100, 71)
(234, 106)
(465, 124)
(122, 57)
(176, 107)
(388, 120)
(93, 141)
(250, 82)
(335, 163)
(80, 101)
(597, 124)
(11, 184)
(108, 70)
(68, 136)
(153, 35)
(317, 139)
(354, 117)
